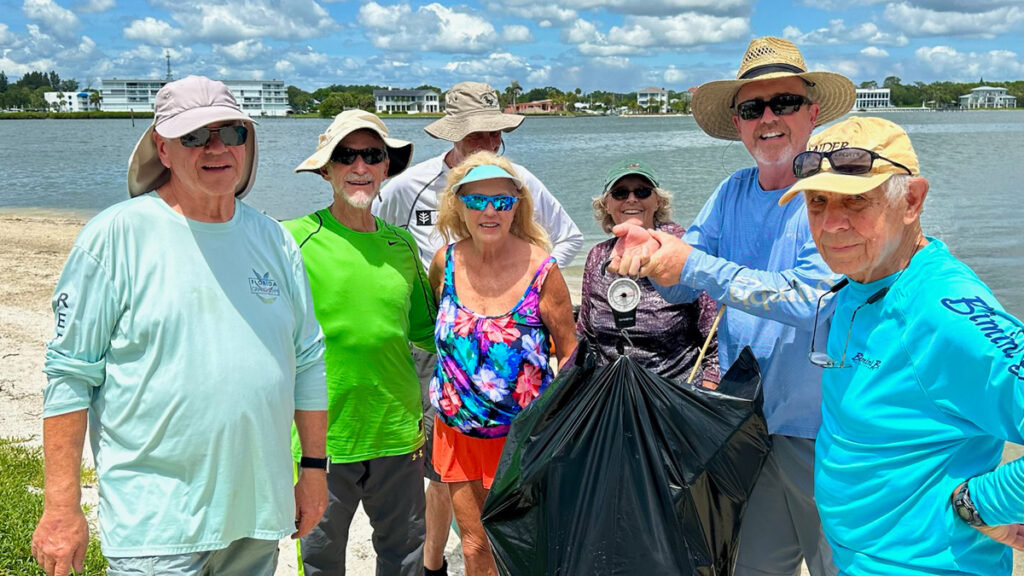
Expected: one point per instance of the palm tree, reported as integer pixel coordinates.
(95, 99)
(514, 90)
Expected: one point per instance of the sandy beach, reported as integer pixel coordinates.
(33, 249)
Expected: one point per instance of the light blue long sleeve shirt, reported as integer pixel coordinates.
(191, 344)
(758, 259)
(934, 388)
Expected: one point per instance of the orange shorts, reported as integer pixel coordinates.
(461, 458)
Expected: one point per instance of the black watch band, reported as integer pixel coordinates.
(964, 507)
(307, 462)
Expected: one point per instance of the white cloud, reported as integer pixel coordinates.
(916, 21)
(873, 52)
(432, 27)
(243, 51)
(54, 18)
(567, 10)
(643, 34)
(837, 33)
(149, 30)
(949, 64)
(545, 13)
(493, 69)
(6, 36)
(230, 21)
(95, 6)
(673, 75)
(516, 34)
(284, 67)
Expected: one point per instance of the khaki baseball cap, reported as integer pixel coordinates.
(894, 154)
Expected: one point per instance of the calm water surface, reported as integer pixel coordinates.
(974, 162)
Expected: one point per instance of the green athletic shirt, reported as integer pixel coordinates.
(372, 298)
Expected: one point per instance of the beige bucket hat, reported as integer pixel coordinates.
(768, 58)
(181, 107)
(895, 155)
(399, 151)
(471, 107)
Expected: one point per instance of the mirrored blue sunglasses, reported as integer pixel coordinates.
(479, 201)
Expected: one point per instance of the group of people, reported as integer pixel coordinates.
(243, 380)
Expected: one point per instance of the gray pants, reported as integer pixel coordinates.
(243, 557)
(781, 527)
(391, 490)
(424, 362)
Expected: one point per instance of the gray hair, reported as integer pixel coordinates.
(661, 215)
(896, 188)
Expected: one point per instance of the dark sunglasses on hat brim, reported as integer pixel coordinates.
(501, 203)
(348, 156)
(229, 136)
(621, 193)
(851, 161)
(781, 105)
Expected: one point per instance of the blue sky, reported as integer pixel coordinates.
(619, 45)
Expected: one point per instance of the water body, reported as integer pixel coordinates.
(973, 160)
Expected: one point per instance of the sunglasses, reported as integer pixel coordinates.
(781, 105)
(479, 201)
(229, 136)
(640, 193)
(348, 156)
(851, 161)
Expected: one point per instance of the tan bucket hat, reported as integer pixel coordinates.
(894, 155)
(399, 151)
(181, 107)
(768, 58)
(471, 107)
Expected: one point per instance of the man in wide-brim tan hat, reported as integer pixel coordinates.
(372, 297)
(473, 121)
(759, 261)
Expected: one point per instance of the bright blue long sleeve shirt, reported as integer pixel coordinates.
(933, 390)
(758, 259)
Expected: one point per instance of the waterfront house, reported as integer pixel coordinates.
(653, 100)
(988, 97)
(256, 97)
(535, 107)
(871, 98)
(406, 101)
(69, 101)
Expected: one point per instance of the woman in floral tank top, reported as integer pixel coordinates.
(502, 300)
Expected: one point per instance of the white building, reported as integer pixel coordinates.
(653, 97)
(256, 97)
(988, 97)
(69, 101)
(407, 101)
(868, 98)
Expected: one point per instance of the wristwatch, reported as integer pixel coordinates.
(623, 298)
(964, 506)
(318, 463)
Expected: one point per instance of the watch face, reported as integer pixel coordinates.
(623, 294)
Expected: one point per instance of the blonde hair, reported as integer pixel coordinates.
(450, 221)
(662, 214)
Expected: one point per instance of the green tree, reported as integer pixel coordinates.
(300, 100)
(870, 84)
(3, 81)
(891, 82)
(95, 98)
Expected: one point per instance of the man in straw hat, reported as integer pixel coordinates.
(758, 260)
(473, 121)
(924, 373)
(373, 299)
(185, 336)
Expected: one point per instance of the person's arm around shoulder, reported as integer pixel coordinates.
(311, 487)
(556, 313)
(62, 535)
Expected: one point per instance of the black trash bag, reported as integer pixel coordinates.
(616, 470)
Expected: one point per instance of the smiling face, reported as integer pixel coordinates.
(861, 235)
(632, 207)
(774, 140)
(489, 225)
(214, 170)
(357, 184)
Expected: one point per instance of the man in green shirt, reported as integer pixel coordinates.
(372, 299)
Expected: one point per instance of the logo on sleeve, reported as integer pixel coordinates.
(1006, 339)
(426, 217)
(264, 287)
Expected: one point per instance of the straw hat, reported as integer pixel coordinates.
(399, 151)
(471, 107)
(181, 107)
(768, 58)
(876, 134)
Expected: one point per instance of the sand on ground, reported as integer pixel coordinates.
(33, 249)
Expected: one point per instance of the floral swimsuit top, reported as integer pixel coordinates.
(488, 367)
